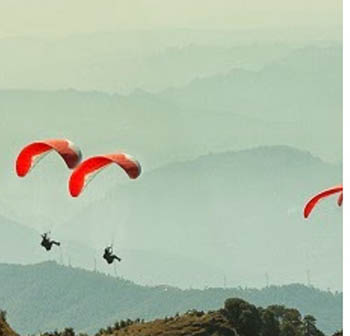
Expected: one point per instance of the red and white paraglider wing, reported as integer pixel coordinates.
(314, 200)
(31, 154)
(340, 199)
(88, 169)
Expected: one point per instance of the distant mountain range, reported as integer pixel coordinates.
(288, 102)
(233, 137)
(20, 244)
(233, 216)
(49, 297)
(294, 101)
(223, 181)
(240, 211)
(150, 60)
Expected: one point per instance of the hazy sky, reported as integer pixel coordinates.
(18, 17)
(221, 105)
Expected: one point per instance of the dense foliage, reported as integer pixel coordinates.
(238, 317)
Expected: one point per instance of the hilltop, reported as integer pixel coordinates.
(47, 297)
(5, 329)
(188, 324)
(238, 317)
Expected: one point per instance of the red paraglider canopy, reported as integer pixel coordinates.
(33, 152)
(328, 192)
(340, 199)
(91, 166)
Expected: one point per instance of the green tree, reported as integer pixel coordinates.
(68, 332)
(244, 316)
(309, 326)
(270, 323)
(278, 310)
(3, 315)
(339, 333)
(291, 323)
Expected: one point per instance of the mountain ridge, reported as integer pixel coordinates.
(81, 298)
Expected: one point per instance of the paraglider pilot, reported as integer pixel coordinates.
(109, 256)
(47, 242)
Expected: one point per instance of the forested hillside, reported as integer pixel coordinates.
(47, 296)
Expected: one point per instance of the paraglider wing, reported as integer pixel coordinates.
(340, 199)
(33, 152)
(83, 174)
(314, 200)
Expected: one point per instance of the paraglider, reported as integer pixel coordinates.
(30, 155)
(33, 152)
(109, 256)
(47, 242)
(83, 174)
(325, 193)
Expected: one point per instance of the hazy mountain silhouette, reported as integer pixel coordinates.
(200, 218)
(287, 102)
(21, 245)
(212, 210)
(240, 211)
(296, 102)
(121, 62)
(297, 97)
(48, 297)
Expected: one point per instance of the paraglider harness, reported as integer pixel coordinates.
(109, 256)
(47, 242)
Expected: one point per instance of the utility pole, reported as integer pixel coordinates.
(308, 277)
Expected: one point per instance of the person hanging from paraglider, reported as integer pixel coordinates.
(109, 256)
(47, 242)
